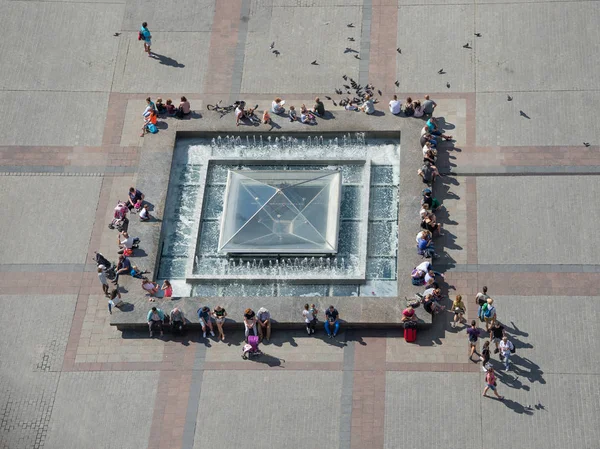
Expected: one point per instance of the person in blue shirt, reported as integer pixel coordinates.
(155, 318)
(433, 129)
(205, 321)
(146, 37)
(331, 320)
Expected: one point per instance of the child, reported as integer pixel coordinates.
(292, 114)
(306, 117)
(160, 107)
(150, 118)
(170, 108)
(266, 118)
(138, 205)
(144, 213)
(351, 107)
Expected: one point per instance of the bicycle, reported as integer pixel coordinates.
(223, 110)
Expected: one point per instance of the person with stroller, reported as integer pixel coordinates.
(331, 321)
(177, 320)
(205, 321)
(155, 318)
(120, 220)
(249, 322)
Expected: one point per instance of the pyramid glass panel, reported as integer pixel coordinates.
(281, 212)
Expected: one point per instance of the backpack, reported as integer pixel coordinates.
(152, 128)
(487, 311)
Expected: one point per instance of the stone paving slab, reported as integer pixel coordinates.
(550, 346)
(42, 231)
(77, 118)
(526, 211)
(113, 410)
(180, 16)
(418, 75)
(86, 60)
(176, 67)
(555, 118)
(236, 404)
(568, 417)
(548, 53)
(263, 72)
(443, 410)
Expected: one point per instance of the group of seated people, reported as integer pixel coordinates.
(429, 225)
(430, 133)
(307, 116)
(153, 110)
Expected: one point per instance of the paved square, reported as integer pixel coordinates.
(53, 202)
(325, 43)
(260, 401)
(526, 210)
(184, 15)
(435, 409)
(114, 410)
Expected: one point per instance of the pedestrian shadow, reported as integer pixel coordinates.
(514, 330)
(165, 60)
(517, 407)
(526, 368)
(267, 359)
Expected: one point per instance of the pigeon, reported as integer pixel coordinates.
(441, 71)
(587, 144)
(334, 103)
(315, 62)
(508, 98)
(345, 77)
(397, 83)
(329, 98)
(346, 86)
(522, 114)
(466, 45)
(348, 92)
(116, 34)
(478, 34)
(349, 50)
(272, 45)
(398, 50)
(357, 57)
(376, 100)
(379, 92)
(350, 25)
(277, 53)
(448, 85)
(339, 91)
(351, 39)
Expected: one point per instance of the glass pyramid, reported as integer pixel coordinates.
(281, 212)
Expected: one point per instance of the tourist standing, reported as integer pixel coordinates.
(506, 349)
(485, 352)
(102, 279)
(309, 319)
(145, 36)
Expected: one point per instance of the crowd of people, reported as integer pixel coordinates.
(154, 110)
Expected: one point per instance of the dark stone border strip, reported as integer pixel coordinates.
(347, 392)
(513, 268)
(191, 415)
(365, 42)
(240, 53)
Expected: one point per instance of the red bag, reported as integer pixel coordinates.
(410, 334)
(127, 252)
(140, 36)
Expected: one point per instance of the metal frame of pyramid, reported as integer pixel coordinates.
(281, 212)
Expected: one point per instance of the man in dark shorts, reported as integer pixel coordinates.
(496, 334)
(331, 315)
(473, 335)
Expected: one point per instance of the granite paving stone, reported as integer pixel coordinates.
(45, 231)
(185, 15)
(524, 211)
(114, 409)
(293, 408)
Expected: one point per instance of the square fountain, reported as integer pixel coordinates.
(292, 216)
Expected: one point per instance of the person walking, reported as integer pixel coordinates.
(144, 35)
(473, 336)
(506, 349)
(490, 383)
(485, 352)
(496, 334)
(309, 319)
(219, 315)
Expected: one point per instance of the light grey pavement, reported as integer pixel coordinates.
(544, 215)
(256, 409)
(113, 410)
(55, 219)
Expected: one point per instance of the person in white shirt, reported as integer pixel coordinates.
(395, 106)
(144, 213)
(125, 243)
(309, 319)
(506, 348)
